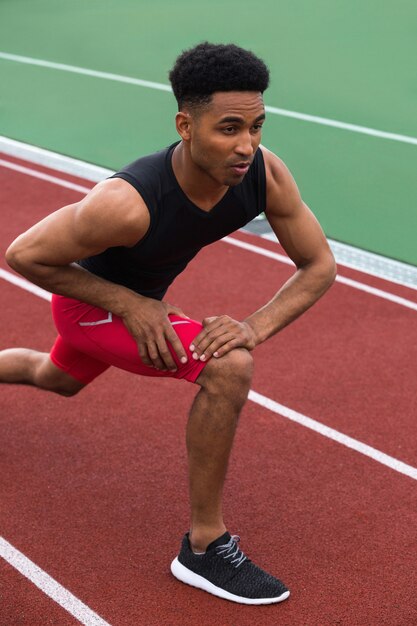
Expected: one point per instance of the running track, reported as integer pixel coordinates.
(94, 487)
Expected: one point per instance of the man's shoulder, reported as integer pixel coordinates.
(153, 162)
(275, 167)
(282, 191)
(149, 175)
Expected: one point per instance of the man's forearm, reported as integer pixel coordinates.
(297, 295)
(75, 282)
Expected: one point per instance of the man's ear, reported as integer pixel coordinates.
(183, 124)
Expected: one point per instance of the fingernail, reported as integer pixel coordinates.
(215, 354)
(203, 357)
(192, 347)
(195, 356)
(184, 359)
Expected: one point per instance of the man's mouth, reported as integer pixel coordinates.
(241, 168)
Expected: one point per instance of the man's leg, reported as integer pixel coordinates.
(225, 384)
(30, 367)
(220, 568)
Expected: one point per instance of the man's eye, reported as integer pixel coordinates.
(228, 130)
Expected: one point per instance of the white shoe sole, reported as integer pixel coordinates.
(190, 578)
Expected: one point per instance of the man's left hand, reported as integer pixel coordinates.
(220, 335)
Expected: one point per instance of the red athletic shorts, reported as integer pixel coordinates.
(91, 339)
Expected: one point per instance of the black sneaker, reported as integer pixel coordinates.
(225, 571)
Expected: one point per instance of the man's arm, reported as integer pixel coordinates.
(302, 238)
(112, 214)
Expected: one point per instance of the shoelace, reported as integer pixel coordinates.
(230, 550)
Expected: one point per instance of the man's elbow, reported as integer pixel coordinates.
(329, 269)
(323, 271)
(12, 256)
(17, 257)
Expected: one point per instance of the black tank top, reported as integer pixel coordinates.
(178, 228)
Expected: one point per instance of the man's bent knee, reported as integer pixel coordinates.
(232, 369)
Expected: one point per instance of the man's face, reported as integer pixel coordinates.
(225, 136)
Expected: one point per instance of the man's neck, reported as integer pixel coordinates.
(200, 188)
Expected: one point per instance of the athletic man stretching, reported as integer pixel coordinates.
(110, 258)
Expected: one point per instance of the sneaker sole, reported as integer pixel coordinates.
(195, 580)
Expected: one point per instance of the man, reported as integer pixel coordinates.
(110, 258)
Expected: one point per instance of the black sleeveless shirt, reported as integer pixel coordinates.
(178, 228)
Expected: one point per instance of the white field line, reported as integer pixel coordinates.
(354, 128)
(85, 71)
(162, 87)
(49, 586)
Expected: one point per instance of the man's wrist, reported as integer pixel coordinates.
(255, 338)
(124, 301)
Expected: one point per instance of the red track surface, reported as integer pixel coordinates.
(94, 488)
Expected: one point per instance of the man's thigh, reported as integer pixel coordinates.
(92, 339)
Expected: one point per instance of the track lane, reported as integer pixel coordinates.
(68, 460)
(94, 491)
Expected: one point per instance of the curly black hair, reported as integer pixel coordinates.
(207, 68)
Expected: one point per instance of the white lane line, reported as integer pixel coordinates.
(355, 284)
(258, 250)
(25, 284)
(275, 407)
(53, 160)
(373, 132)
(49, 586)
(365, 262)
(42, 176)
(333, 434)
(379, 293)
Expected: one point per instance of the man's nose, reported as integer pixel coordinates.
(244, 146)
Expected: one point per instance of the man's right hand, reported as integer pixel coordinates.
(149, 325)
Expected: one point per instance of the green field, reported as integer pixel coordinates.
(347, 61)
